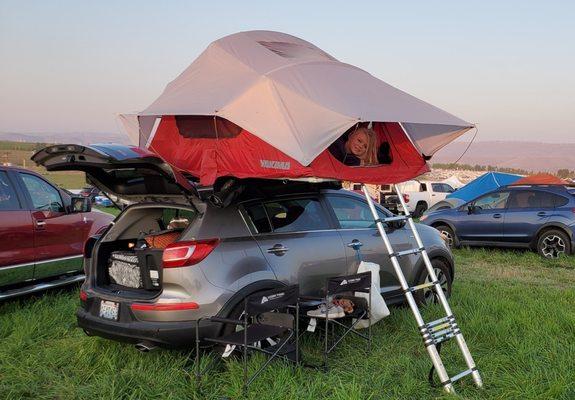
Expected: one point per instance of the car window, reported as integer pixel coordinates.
(492, 201)
(44, 196)
(559, 201)
(8, 198)
(296, 215)
(437, 187)
(447, 188)
(352, 213)
(258, 218)
(531, 199)
(175, 218)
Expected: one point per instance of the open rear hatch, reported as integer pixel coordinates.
(129, 173)
(127, 260)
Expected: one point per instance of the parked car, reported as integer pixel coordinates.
(265, 234)
(418, 197)
(103, 201)
(42, 233)
(91, 192)
(539, 217)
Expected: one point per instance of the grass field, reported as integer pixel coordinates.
(19, 153)
(516, 310)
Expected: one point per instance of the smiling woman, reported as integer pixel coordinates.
(360, 146)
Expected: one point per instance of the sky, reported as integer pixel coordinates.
(508, 66)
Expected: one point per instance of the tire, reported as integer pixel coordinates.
(553, 243)
(428, 296)
(448, 235)
(420, 208)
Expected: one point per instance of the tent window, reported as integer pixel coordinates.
(361, 146)
(204, 127)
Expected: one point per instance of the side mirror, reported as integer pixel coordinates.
(396, 224)
(81, 204)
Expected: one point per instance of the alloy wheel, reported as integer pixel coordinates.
(429, 295)
(553, 246)
(448, 237)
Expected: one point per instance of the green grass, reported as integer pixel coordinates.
(110, 210)
(516, 310)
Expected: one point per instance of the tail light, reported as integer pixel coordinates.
(83, 296)
(406, 198)
(164, 306)
(180, 254)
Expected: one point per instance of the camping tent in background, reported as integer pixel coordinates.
(484, 184)
(454, 182)
(267, 104)
(541, 179)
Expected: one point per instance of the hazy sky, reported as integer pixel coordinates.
(508, 66)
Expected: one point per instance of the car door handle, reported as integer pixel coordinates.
(278, 249)
(355, 243)
(40, 223)
(497, 215)
(541, 214)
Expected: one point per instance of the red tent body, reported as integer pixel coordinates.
(229, 150)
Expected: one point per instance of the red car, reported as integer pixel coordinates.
(42, 233)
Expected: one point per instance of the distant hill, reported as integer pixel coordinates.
(530, 156)
(74, 137)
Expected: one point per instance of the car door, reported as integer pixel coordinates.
(357, 228)
(297, 239)
(16, 234)
(58, 234)
(482, 219)
(527, 211)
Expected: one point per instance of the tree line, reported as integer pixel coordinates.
(561, 173)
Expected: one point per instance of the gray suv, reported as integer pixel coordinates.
(228, 242)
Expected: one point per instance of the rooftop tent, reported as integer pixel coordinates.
(541, 179)
(484, 184)
(267, 104)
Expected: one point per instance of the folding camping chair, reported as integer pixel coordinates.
(336, 286)
(254, 331)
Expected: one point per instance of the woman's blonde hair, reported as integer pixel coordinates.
(370, 156)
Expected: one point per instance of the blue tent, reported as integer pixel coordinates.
(484, 184)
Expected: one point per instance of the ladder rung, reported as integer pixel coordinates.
(396, 218)
(462, 374)
(407, 252)
(449, 318)
(422, 286)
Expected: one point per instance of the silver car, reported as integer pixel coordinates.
(225, 243)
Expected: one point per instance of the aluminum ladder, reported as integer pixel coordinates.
(435, 332)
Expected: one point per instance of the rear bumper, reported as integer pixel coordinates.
(129, 329)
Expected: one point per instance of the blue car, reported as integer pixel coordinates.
(539, 217)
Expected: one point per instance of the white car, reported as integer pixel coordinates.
(418, 196)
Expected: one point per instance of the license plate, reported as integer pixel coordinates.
(109, 310)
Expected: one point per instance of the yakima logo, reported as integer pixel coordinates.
(276, 296)
(275, 164)
(349, 281)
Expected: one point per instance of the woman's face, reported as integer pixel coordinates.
(357, 144)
